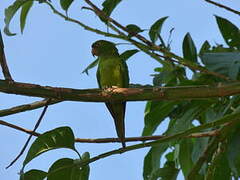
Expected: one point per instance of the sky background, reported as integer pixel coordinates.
(54, 52)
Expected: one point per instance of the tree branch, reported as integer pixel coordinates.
(121, 94)
(88, 28)
(212, 146)
(27, 107)
(153, 46)
(139, 45)
(223, 6)
(228, 118)
(233, 118)
(29, 138)
(113, 140)
(3, 61)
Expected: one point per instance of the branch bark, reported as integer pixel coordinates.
(3, 61)
(121, 94)
(151, 45)
(223, 6)
(27, 107)
(114, 140)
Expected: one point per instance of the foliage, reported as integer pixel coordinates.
(207, 155)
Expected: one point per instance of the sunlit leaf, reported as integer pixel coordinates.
(58, 138)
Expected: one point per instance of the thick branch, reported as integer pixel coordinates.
(121, 94)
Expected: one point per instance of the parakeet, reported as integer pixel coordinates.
(112, 71)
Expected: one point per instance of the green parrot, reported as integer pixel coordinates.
(112, 72)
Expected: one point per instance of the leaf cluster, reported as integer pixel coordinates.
(207, 157)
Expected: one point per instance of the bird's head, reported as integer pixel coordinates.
(104, 48)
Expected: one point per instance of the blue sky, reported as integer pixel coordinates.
(54, 52)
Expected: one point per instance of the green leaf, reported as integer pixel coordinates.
(229, 31)
(184, 121)
(156, 112)
(189, 48)
(152, 160)
(66, 169)
(155, 29)
(108, 7)
(10, 12)
(164, 77)
(185, 158)
(86, 169)
(133, 29)
(221, 168)
(233, 153)
(127, 54)
(226, 63)
(33, 174)
(58, 138)
(199, 146)
(90, 66)
(24, 12)
(65, 4)
(205, 48)
(168, 172)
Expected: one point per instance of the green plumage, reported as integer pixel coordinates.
(112, 71)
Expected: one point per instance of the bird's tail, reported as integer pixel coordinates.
(117, 111)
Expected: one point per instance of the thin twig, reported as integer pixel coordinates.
(27, 107)
(233, 118)
(3, 61)
(4, 123)
(196, 67)
(88, 28)
(151, 45)
(122, 36)
(113, 140)
(207, 153)
(29, 138)
(212, 146)
(223, 6)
